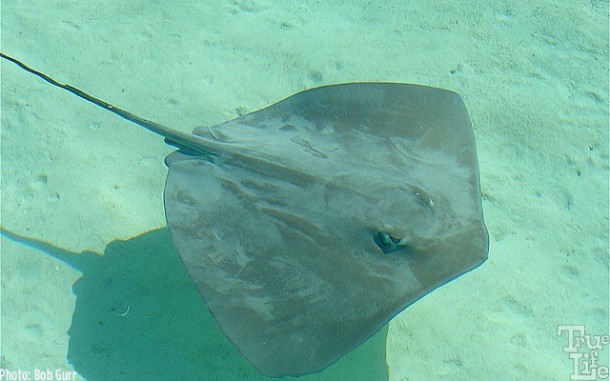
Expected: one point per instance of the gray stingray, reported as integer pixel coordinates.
(307, 225)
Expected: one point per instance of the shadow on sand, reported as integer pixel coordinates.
(138, 317)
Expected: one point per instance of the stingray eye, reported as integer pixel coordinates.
(386, 242)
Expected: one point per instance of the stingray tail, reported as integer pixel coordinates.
(177, 138)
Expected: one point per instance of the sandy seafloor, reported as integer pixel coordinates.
(533, 74)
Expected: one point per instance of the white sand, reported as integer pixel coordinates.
(534, 76)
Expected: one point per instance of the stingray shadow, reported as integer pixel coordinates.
(139, 317)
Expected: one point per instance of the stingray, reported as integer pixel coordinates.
(307, 225)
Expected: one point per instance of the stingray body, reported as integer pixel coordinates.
(306, 226)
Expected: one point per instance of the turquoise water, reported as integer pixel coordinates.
(534, 76)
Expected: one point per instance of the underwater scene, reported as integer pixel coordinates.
(317, 190)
